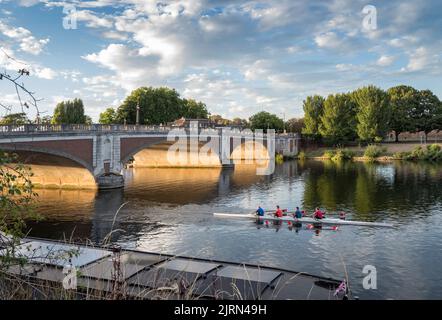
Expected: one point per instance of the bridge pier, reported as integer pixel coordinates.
(110, 181)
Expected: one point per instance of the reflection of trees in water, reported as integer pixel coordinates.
(369, 188)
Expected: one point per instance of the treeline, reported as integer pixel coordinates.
(156, 106)
(369, 113)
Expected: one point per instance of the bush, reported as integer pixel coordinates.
(279, 158)
(372, 152)
(301, 155)
(343, 154)
(328, 154)
(430, 153)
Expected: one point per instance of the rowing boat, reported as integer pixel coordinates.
(325, 221)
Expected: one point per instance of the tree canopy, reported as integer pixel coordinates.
(108, 116)
(338, 120)
(194, 110)
(294, 125)
(313, 109)
(372, 113)
(265, 120)
(427, 114)
(15, 118)
(403, 99)
(69, 112)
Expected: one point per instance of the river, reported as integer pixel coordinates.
(171, 211)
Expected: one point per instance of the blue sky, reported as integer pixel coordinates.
(239, 57)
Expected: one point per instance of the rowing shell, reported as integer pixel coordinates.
(325, 221)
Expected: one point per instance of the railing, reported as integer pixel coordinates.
(31, 129)
(78, 128)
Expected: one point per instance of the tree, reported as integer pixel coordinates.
(338, 119)
(265, 120)
(313, 109)
(403, 99)
(295, 125)
(240, 122)
(372, 113)
(109, 116)
(194, 110)
(15, 119)
(427, 114)
(69, 112)
(157, 106)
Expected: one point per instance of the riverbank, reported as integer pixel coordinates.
(383, 152)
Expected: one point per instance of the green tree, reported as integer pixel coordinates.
(372, 113)
(109, 116)
(338, 119)
(427, 115)
(194, 110)
(15, 118)
(295, 125)
(313, 109)
(157, 106)
(265, 120)
(240, 122)
(69, 112)
(403, 99)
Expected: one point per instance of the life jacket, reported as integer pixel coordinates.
(278, 213)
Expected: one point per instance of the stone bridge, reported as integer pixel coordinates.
(104, 150)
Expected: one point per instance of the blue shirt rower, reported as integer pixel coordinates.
(260, 212)
(298, 213)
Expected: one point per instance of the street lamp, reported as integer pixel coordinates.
(137, 121)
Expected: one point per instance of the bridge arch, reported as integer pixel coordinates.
(55, 169)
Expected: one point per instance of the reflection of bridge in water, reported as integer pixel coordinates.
(84, 156)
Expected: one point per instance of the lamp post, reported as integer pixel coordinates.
(137, 121)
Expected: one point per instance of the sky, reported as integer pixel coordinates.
(238, 57)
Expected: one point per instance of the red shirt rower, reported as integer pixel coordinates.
(278, 212)
(318, 214)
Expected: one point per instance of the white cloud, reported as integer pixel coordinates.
(27, 42)
(385, 61)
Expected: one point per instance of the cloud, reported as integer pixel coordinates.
(26, 41)
(385, 61)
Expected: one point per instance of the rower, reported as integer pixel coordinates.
(318, 214)
(342, 215)
(278, 212)
(260, 212)
(298, 213)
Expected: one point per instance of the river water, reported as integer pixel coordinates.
(171, 211)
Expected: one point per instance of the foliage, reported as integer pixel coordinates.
(194, 110)
(372, 113)
(15, 119)
(302, 155)
(337, 121)
(432, 153)
(219, 120)
(313, 110)
(343, 154)
(240, 122)
(328, 154)
(279, 158)
(294, 125)
(427, 114)
(157, 106)
(108, 116)
(69, 112)
(264, 120)
(16, 199)
(403, 99)
(372, 152)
